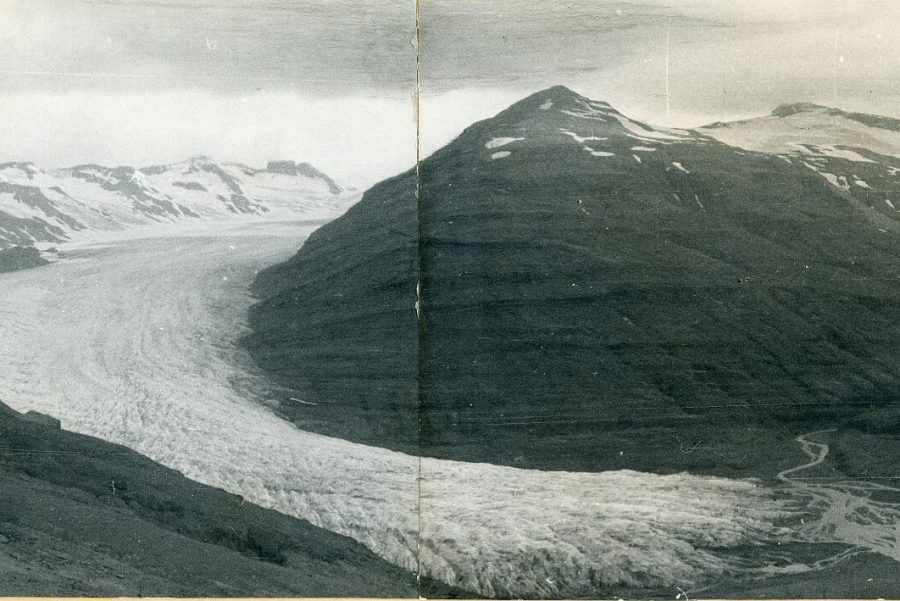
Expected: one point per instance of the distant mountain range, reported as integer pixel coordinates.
(52, 206)
(597, 293)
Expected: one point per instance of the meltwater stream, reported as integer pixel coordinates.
(843, 509)
(134, 342)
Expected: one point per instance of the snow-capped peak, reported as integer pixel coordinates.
(559, 115)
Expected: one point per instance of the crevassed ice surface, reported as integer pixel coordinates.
(134, 342)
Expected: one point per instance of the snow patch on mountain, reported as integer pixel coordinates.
(498, 142)
(582, 139)
(645, 133)
(831, 151)
(838, 181)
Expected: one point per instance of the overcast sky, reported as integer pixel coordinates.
(331, 81)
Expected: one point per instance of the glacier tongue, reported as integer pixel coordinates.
(165, 378)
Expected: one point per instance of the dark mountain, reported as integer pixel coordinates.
(599, 294)
(348, 314)
(82, 517)
(20, 257)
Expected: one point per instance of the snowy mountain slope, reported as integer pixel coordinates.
(51, 206)
(857, 154)
(793, 128)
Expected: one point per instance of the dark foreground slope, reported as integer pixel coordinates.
(82, 517)
(598, 294)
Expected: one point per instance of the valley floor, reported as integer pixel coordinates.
(134, 341)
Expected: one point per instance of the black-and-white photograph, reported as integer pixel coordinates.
(450, 298)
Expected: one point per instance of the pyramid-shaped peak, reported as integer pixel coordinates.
(565, 96)
(558, 98)
(558, 115)
(561, 92)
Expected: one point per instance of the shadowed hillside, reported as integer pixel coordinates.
(598, 294)
(82, 517)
